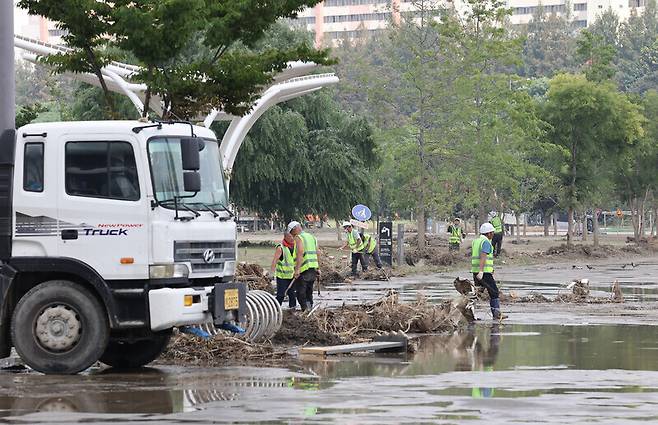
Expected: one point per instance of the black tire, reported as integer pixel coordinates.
(76, 303)
(131, 355)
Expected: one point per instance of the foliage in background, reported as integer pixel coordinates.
(194, 53)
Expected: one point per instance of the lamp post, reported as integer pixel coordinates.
(7, 84)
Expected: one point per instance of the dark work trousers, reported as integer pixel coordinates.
(356, 258)
(304, 288)
(281, 286)
(375, 255)
(453, 247)
(489, 283)
(497, 243)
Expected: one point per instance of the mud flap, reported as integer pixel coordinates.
(7, 274)
(229, 303)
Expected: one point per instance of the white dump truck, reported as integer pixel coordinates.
(120, 231)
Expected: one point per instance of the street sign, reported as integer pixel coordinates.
(386, 242)
(361, 212)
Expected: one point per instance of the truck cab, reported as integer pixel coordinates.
(109, 251)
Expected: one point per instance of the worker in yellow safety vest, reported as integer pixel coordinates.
(482, 267)
(499, 231)
(456, 235)
(307, 267)
(283, 269)
(357, 247)
(371, 250)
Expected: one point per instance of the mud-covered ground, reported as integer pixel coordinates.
(551, 362)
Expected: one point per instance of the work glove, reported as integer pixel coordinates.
(480, 275)
(273, 281)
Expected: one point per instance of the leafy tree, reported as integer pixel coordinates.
(305, 156)
(638, 36)
(596, 56)
(195, 54)
(591, 121)
(549, 45)
(87, 26)
(28, 113)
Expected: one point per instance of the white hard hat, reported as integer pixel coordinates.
(486, 228)
(346, 223)
(292, 225)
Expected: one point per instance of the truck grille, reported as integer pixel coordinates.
(192, 252)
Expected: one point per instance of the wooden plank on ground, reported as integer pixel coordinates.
(351, 348)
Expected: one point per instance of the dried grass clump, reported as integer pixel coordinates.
(219, 350)
(254, 276)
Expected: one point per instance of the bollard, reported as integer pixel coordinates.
(400, 242)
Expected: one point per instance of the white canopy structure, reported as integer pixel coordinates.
(290, 83)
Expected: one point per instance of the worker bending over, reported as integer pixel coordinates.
(283, 269)
(371, 250)
(456, 235)
(307, 267)
(357, 246)
(482, 267)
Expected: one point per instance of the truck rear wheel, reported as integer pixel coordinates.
(130, 355)
(59, 327)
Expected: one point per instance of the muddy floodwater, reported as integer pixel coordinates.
(548, 363)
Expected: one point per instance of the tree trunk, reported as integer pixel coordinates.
(517, 216)
(339, 231)
(554, 217)
(635, 220)
(583, 226)
(654, 227)
(595, 227)
(420, 222)
(525, 225)
(570, 226)
(546, 218)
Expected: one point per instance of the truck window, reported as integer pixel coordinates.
(101, 170)
(33, 167)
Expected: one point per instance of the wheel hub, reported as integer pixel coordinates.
(58, 328)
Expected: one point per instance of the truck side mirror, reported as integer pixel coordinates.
(189, 149)
(191, 181)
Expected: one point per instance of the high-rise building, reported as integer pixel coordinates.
(336, 20)
(36, 27)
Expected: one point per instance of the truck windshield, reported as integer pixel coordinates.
(167, 173)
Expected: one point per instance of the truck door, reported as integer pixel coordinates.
(35, 198)
(102, 205)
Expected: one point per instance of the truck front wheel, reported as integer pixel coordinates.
(130, 355)
(59, 327)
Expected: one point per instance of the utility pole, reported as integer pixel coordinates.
(7, 85)
(7, 125)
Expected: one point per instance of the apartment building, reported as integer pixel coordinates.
(334, 20)
(36, 27)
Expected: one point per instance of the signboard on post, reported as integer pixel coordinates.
(386, 242)
(361, 212)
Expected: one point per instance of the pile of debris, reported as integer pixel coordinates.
(356, 323)
(432, 256)
(603, 251)
(431, 240)
(255, 277)
(579, 292)
(337, 269)
(219, 350)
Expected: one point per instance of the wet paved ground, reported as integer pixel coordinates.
(531, 369)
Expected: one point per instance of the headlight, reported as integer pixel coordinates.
(164, 271)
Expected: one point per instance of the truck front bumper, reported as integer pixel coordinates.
(171, 307)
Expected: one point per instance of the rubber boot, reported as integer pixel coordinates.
(495, 309)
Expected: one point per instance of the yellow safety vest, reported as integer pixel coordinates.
(285, 267)
(310, 256)
(476, 249)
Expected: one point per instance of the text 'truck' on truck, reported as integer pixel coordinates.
(112, 233)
